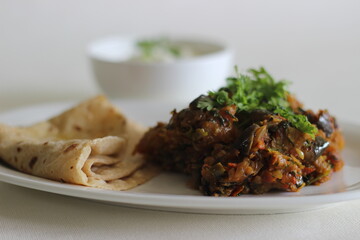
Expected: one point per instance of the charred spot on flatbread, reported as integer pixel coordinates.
(33, 162)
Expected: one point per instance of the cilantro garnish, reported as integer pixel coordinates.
(255, 91)
(148, 48)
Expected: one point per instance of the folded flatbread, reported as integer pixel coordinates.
(91, 144)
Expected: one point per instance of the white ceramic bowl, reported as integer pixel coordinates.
(182, 79)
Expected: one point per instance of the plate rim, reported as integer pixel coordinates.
(192, 203)
(14, 177)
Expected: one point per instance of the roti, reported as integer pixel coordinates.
(90, 144)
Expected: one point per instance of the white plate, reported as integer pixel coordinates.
(169, 192)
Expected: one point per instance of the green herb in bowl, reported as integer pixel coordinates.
(161, 50)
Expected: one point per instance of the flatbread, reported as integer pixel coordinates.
(91, 144)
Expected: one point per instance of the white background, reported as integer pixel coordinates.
(313, 43)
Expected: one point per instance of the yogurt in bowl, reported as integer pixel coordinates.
(141, 68)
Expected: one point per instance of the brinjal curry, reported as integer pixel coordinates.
(251, 136)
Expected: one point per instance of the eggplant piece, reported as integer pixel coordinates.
(316, 149)
(247, 139)
(323, 120)
(324, 123)
(259, 115)
(320, 146)
(280, 139)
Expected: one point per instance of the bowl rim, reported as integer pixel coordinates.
(223, 52)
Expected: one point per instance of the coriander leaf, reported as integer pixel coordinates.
(204, 102)
(258, 90)
(298, 121)
(149, 48)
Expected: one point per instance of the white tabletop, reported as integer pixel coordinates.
(30, 214)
